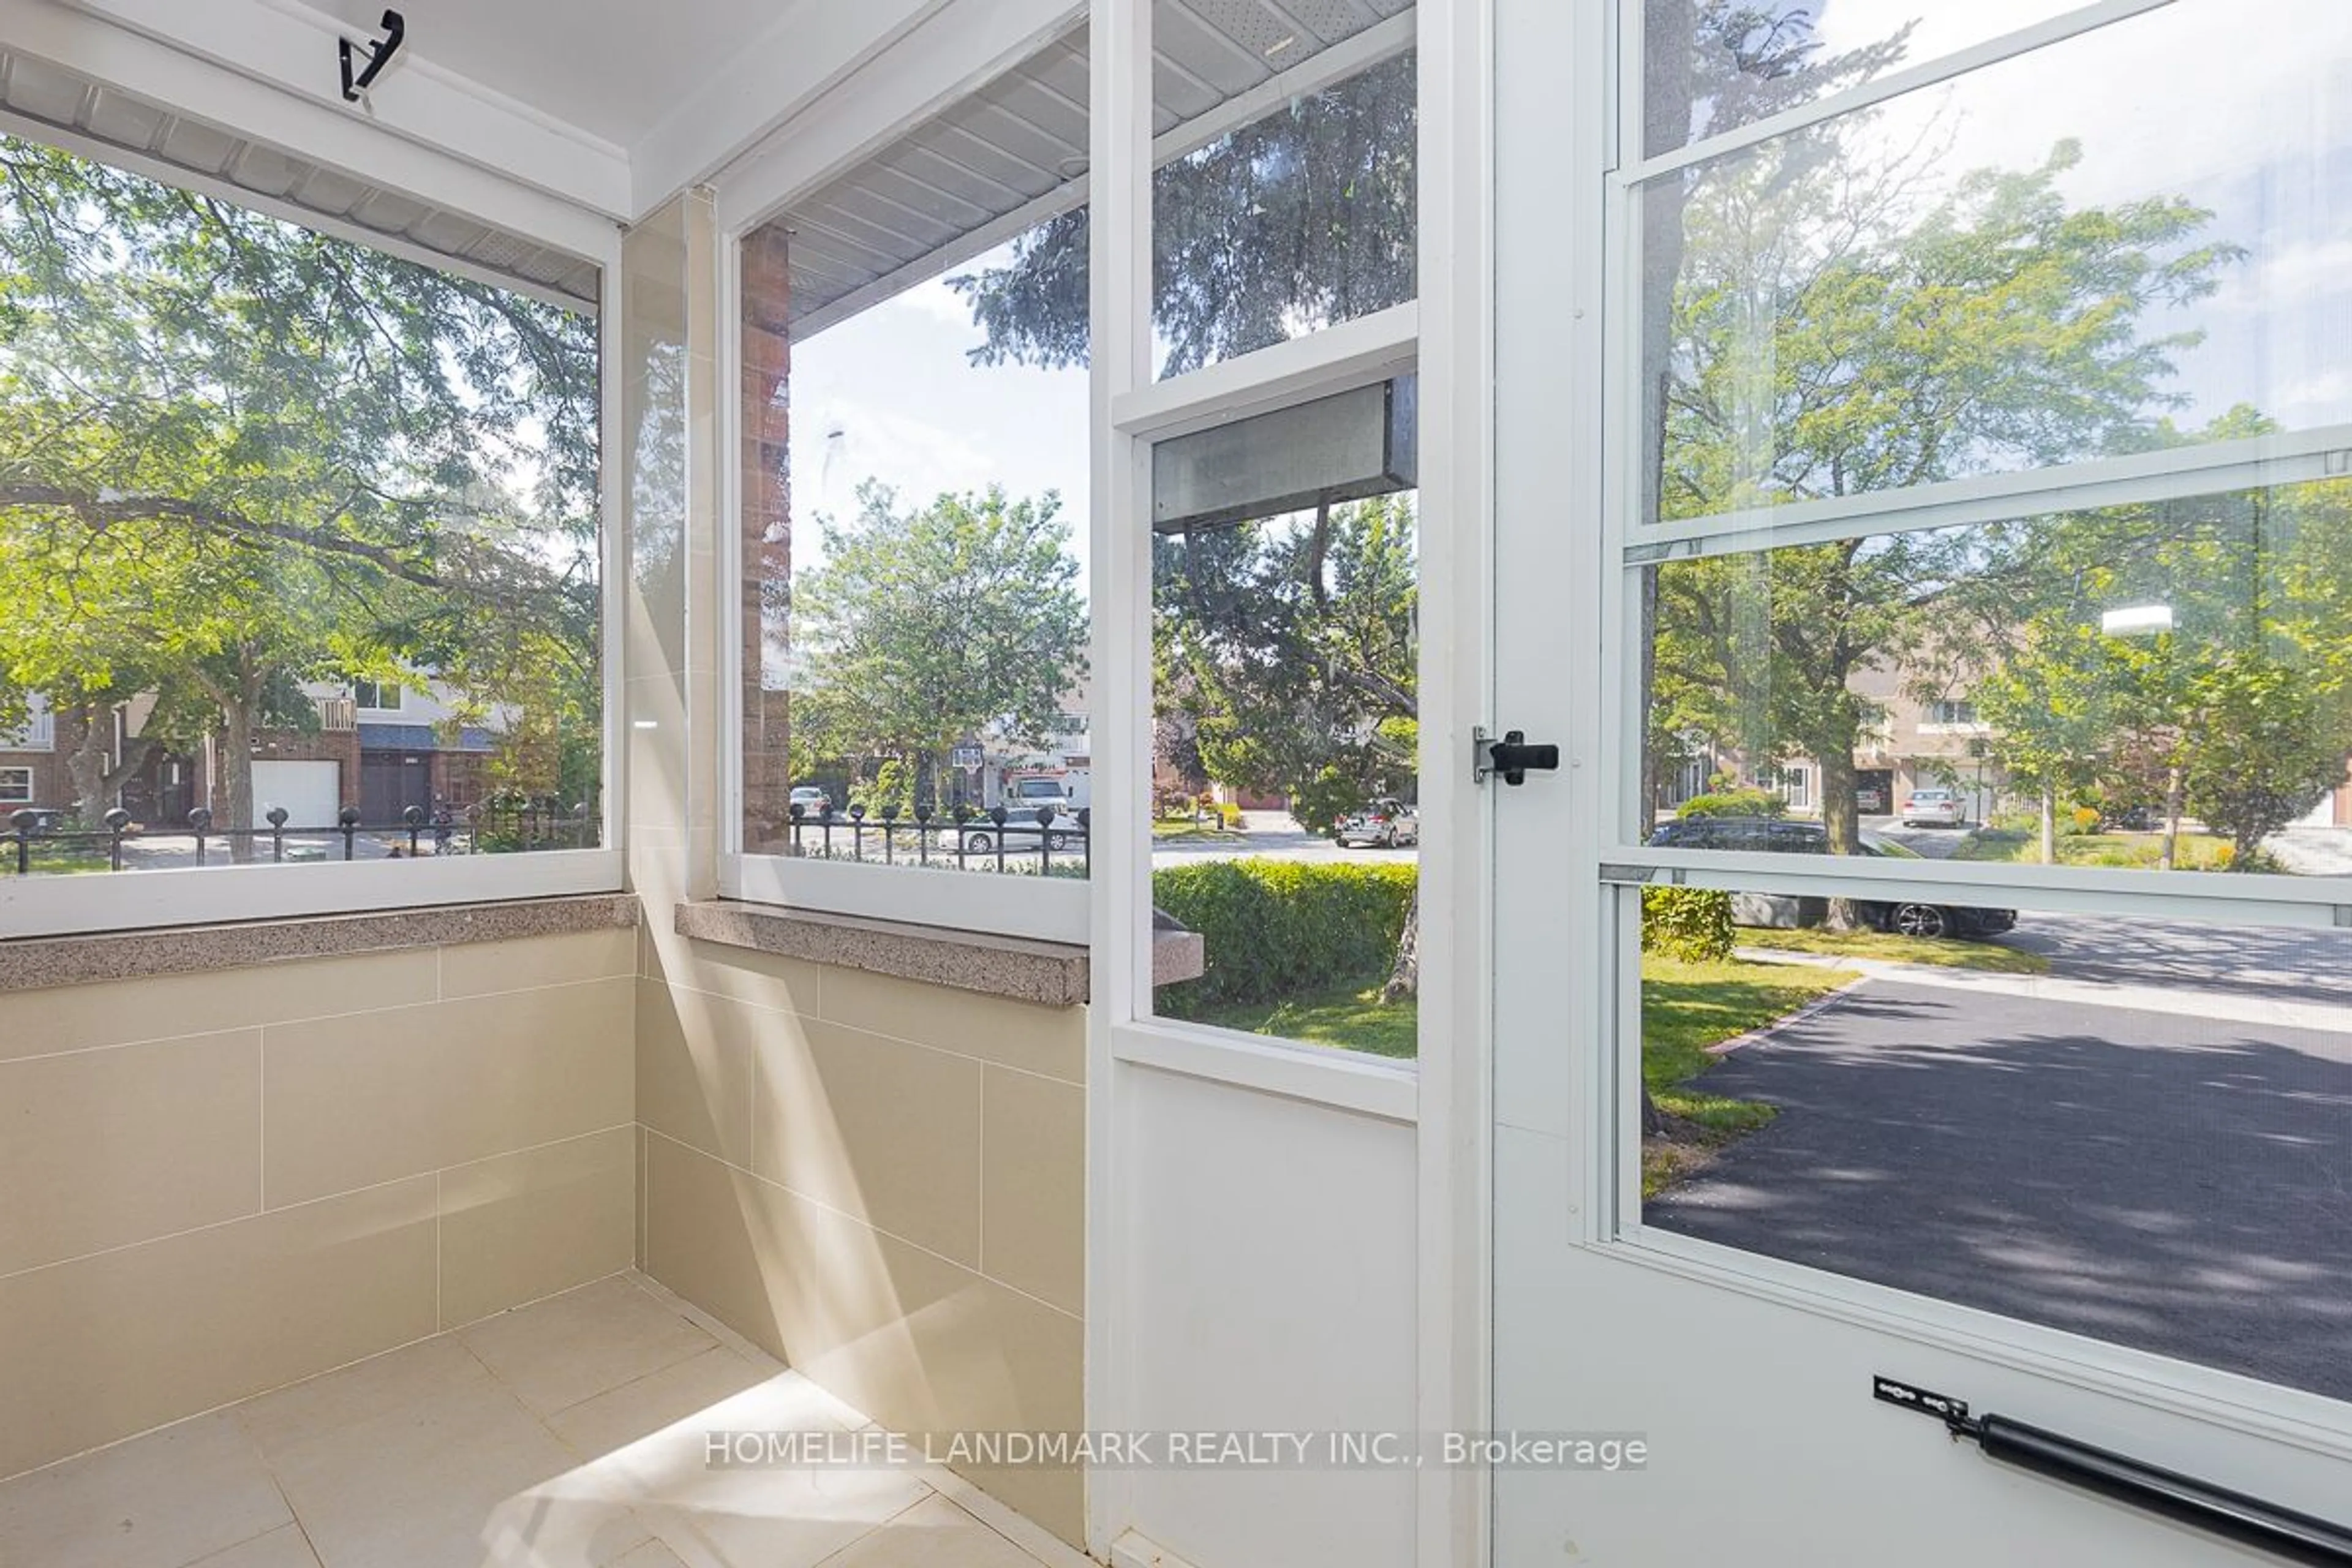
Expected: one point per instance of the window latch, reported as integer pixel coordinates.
(1512, 756)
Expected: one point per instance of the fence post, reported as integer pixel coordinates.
(117, 821)
(824, 820)
(415, 817)
(889, 830)
(1045, 839)
(276, 815)
(1087, 837)
(24, 823)
(200, 820)
(997, 816)
(795, 811)
(962, 815)
(349, 819)
(857, 833)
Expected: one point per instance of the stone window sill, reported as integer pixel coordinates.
(1049, 973)
(29, 963)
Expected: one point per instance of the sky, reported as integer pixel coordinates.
(888, 394)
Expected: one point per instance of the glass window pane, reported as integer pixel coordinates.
(297, 533)
(2135, 1129)
(1296, 221)
(915, 687)
(2154, 685)
(2028, 266)
(1286, 830)
(1711, 66)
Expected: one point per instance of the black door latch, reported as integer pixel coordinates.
(1511, 757)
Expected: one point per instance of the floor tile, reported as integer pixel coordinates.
(285, 1547)
(556, 1352)
(157, 1501)
(366, 1391)
(461, 1477)
(688, 1392)
(934, 1533)
(771, 1518)
(652, 1555)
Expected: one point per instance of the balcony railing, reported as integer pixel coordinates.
(35, 842)
(1044, 841)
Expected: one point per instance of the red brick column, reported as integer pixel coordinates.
(767, 524)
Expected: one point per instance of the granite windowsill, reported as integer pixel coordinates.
(32, 963)
(1049, 974)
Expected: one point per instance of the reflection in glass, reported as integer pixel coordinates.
(2133, 1129)
(1713, 66)
(2162, 685)
(2025, 267)
(1300, 220)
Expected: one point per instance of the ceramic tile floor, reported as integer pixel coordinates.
(568, 1434)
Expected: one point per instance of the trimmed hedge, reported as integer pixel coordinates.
(1277, 928)
(1742, 801)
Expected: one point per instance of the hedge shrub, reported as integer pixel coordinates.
(1277, 928)
(1734, 803)
(1693, 924)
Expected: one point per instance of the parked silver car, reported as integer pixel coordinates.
(1935, 809)
(1385, 823)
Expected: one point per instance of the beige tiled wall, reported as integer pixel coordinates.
(218, 1182)
(880, 1182)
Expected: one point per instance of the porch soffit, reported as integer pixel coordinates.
(110, 122)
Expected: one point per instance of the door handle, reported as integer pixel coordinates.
(1512, 756)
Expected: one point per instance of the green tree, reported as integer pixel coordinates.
(259, 454)
(921, 629)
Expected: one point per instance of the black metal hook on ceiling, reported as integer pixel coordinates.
(379, 54)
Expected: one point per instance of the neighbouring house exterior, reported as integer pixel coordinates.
(379, 749)
(1918, 743)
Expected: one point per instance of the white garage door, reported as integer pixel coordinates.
(311, 793)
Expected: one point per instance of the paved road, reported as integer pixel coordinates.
(2179, 1184)
(1275, 835)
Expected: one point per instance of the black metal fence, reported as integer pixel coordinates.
(495, 826)
(1044, 841)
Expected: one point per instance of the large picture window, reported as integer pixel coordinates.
(256, 481)
(1980, 472)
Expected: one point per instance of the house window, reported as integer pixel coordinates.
(16, 786)
(1952, 713)
(239, 453)
(913, 686)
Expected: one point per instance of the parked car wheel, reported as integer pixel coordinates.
(978, 843)
(1057, 841)
(1919, 920)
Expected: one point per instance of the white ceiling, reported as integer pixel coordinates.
(613, 68)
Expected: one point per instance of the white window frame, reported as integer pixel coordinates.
(15, 770)
(53, 906)
(832, 136)
(1607, 1191)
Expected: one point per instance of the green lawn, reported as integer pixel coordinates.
(1896, 949)
(1686, 1007)
(1182, 830)
(2137, 851)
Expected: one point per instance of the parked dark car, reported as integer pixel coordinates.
(1778, 837)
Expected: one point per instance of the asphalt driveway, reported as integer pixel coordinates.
(2176, 1182)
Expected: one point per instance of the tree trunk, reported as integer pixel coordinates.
(2173, 791)
(1404, 975)
(235, 755)
(95, 783)
(1841, 821)
(2049, 825)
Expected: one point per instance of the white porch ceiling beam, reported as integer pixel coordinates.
(287, 46)
(813, 46)
(930, 66)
